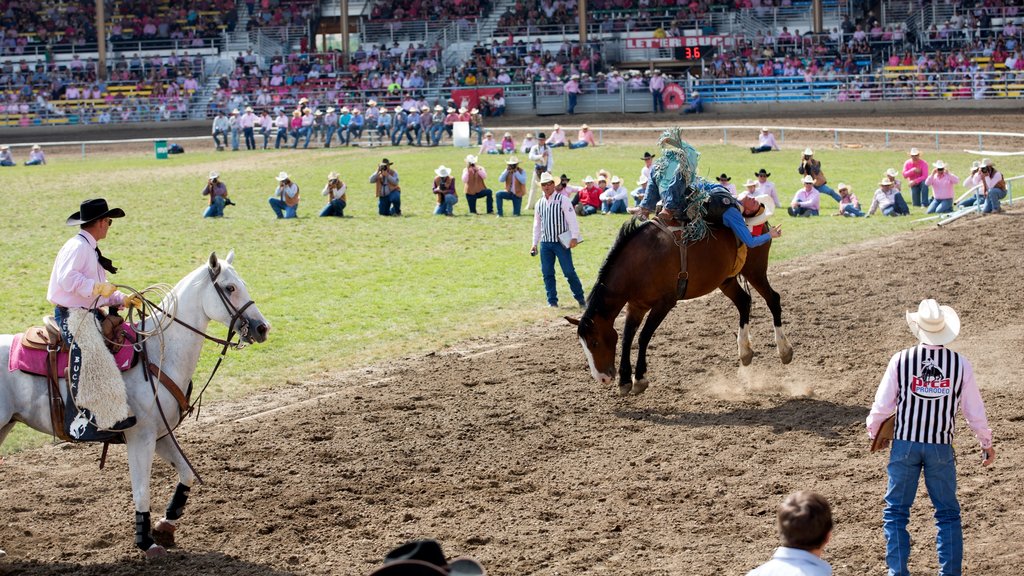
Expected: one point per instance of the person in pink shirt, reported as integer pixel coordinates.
(584, 138)
(765, 142)
(915, 170)
(923, 388)
(766, 187)
(557, 137)
(807, 200)
(941, 181)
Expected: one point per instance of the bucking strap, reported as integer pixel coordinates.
(677, 237)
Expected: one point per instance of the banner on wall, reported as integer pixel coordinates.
(470, 97)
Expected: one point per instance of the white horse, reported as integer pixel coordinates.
(211, 292)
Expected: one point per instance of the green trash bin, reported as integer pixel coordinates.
(161, 149)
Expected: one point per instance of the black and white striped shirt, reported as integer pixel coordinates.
(553, 216)
(929, 383)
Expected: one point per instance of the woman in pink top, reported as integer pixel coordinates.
(915, 170)
(584, 138)
(941, 182)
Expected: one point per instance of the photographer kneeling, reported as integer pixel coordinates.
(218, 196)
(389, 195)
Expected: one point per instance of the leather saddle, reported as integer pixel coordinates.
(48, 336)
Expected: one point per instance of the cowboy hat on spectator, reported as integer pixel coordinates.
(808, 179)
(281, 177)
(763, 172)
(443, 171)
(470, 159)
(512, 160)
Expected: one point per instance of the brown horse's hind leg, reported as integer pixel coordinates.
(654, 319)
(731, 288)
(634, 316)
(774, 301)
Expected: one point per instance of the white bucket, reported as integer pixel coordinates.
(460, 134)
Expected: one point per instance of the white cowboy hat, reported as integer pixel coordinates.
(470, 159)
(616, 180)
(318, 113)
(843, 186)
(398, 109)
(934, 324)
(915, 152)
(303, 100)
(750, 182)
(474, 111)
(345, 109)
(556, 127)
(986, 162)
(808, 152)
(450, 110)
(37, 147)
(763, 215)
(975, 165)
(330, 109)
(282, 177)
(891, 172)
(333, 176)
(764, 129)
(940, 164)
(439, 108)
(546, 177)
(214, 174)
(643, 180)
(584, 127)
(512, 160)
(371, 103)
(443, 171)
(588, 179)
(424, 107)
(463, 110)
(808, 179)
(235, 111)
(885, 182)
(248, 108)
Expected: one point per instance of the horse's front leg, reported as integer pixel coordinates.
(141, 447)
(654, 319)
(774, 301)
(163, 531)
(634, 315)
(731, 288)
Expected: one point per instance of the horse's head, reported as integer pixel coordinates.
(228, 302)
(599, 338)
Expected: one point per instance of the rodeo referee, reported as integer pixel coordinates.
(925, 385)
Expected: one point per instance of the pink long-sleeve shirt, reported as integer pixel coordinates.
(75, 272)
(942, 186)
(586, 136)
(810, 199)
(971, 403)
(915, 171)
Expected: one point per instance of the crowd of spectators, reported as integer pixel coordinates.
(523, 62)
(530, 17)
(280, 12)
(435, 10)
(26, 25)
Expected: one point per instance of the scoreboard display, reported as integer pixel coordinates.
(683, 47)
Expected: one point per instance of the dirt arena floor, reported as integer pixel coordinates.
(505, 449)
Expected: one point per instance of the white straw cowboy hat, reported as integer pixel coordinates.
(940, 164)
(643, 179)
(934, 324)
(764, 129)
(763, 215)
(616, 180)
(371, 103)
(281, 177)
(512, 160)
(986, 162)
(546, 177)
(588, 180)
(808, 152)
(439, 108)
(808, 179)
(214, 174)
(330, 109)
(891, 172)
(885, 182)
(470, 159)
(750, 182)
(843, 186)
(37, 147)
(333, 176)
(915, 152)
(443, 171)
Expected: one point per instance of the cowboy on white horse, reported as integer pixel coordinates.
(78, 287)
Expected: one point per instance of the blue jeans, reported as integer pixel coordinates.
(250, 138)
(218, 136)
(234, 138)
(898, 207)
(616, 207)
(414, 130)
(940, 206)
(353, 131)
(334, 208)
(992, 201)
(486, 194)
(586, 209)
(798, 211)
(659, 104)
(330, 135)
(479, 134)
(517, 202)
(919, 194)
(308, 132)
(390, 205)
(266, 139)
(577, 145)
(396, 135)
(970, 201)
(436, 131)
(849, 210)
(282, 136)
(549, 251)
(281, 209)
(825, 189)
(33, 162)
(906, 462)
(445, 208)
(215, 209)
(572, 102)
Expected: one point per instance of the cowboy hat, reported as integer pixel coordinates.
(507, 135)
(644, 179)
(724, 176)
(93, 209)
(541, 136)
(424, 108)
(584, 127)
(333, 176)
(934, 324)
(762, 216)
(488, 134)
(214, 174)
(443, 171)
(750, 183)
(808, 179)
(512, 160)
(439, 108)
(764, 129)
(588, 179)
(885, 182)
(398, 109)
(546, 177)
(616, 180)
(986, 162)
(891, 172)
(808, 152)
(281, 177)
(470, 159)
(425, 557)
(356, 111)
(450, 110)
(386, 161)
(318, 113)
(248, 108)
(564, 177)
(303, 100)
(556, 127)
(474, 111)
(843, 186)
(371, 103)
(345, 109)
(463, 109)
(975, 165)
(647, 156)
(36, 147)
(915, 152)
(235, 111)
(330, 109)
(296, 113)
(939, 164)
(763, 172)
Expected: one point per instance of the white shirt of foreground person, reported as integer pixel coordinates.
(792, 562)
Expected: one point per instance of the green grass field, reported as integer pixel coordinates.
(343, 293)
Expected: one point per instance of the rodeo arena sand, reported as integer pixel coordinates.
(505, 449)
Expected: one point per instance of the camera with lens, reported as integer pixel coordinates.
(228, 202)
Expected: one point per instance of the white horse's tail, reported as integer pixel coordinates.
(100, 386)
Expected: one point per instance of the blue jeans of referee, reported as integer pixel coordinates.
(549, 251)
(906, 462)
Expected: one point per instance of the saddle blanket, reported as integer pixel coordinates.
(34, 361)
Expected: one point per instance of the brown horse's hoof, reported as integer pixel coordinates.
(639, 386)
(156, 551)
(625, 388)
(746, 359)
(786, 355)
(163, 533)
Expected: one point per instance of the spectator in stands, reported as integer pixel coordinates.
(498, 100)
(766, 187)
(695, 105)
(557, 137)
(514, 180)
(330, 126)
(941, 181)
(584, 138)
(572, 92)
(444, 189)
(35, 156)
(806, 201)
(474, 176)
(389, 194)
(335, 191)
(295, 129)
(809, 166)
(6, 159)
(765, 142)
(344, 121)
(615, 198)
(848, 205)
(285, 201)
(805, 528)
(915, 170)
(476, 125)
(220, 130)
(508, 145)
(993, 187)
(217, 195)
(889, 200)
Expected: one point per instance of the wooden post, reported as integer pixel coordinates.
(101, 41)
(343, 18)
(583, 22)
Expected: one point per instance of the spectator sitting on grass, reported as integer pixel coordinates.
(889, 200)
(806, 202)
(941, 182)
(848, 203)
